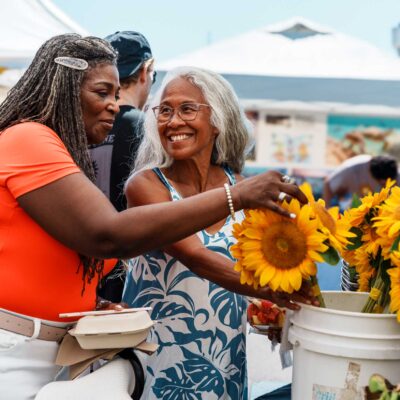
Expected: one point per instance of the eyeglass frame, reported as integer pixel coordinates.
(178, 112)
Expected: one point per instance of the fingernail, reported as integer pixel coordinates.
(292, 215)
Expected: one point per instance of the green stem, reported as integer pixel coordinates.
(384, 299)
(317, 291)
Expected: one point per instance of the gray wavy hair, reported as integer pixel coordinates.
(232, 142)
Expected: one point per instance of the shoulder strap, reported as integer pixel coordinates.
(230, 174)
(174, 193)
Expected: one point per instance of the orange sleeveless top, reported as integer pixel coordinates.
(39, 276)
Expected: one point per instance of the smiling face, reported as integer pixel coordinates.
(184, 140)
(99, 95)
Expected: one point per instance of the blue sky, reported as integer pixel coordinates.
(175, 27)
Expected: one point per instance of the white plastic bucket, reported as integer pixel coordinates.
(336, 349)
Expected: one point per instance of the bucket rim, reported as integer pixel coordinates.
(350, 313)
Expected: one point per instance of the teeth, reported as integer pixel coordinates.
(175, 138)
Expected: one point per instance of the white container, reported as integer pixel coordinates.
(120, 330)
(336, 349)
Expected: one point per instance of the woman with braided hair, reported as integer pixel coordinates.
(56, 227)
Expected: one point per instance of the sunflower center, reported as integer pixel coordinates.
(325, 217)
(284, 245)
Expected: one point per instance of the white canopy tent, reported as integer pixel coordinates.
(25, 25)
(294, 48)
(298, 60)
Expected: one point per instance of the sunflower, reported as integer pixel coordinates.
(336, 228)
(372, 241)
(395, 256)
(362, 259)
(362, 262)
(356, 216)
(245, 276)
(394, 274)
(364, 280)
(387, 223)
(278, 251)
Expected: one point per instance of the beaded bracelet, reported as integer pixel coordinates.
(230, 201)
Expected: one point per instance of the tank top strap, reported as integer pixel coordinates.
(230, 174)
(174, 193)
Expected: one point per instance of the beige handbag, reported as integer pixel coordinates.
(96, 337)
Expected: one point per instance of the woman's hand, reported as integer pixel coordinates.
(266, 191)
(304, 295)
(103, 304)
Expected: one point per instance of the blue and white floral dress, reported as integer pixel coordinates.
(201, 327)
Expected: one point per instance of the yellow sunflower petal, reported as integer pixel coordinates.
(295, 278)
(275, 282)
(266, 275)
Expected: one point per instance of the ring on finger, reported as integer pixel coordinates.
(287, 179)
(282, 196)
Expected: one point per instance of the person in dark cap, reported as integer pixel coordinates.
(113, 159)
(359, 175)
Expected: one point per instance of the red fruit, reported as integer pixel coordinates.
(266, 305)
(251, 310)
(273, 314)
(262, 318)
(264, 312)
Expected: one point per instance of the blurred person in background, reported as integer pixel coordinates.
(56, 226)
(358, 175)
(113, 159)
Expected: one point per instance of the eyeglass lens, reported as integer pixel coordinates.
(187, 112)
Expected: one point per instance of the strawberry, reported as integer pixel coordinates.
(266, 305)
(251, 310)
(262, 317)
(264, 312)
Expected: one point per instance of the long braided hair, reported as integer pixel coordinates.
(49, 93)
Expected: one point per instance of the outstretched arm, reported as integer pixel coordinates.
(219, 269)
(200, 260)
(76, 213)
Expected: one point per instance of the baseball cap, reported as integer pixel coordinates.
(133, 49)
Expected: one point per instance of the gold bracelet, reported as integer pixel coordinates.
(230, 201)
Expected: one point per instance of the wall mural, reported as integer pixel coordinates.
(349, 136)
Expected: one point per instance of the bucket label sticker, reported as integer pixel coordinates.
(321, 392)
(349, 392)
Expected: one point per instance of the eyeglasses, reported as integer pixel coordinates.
(186, 112)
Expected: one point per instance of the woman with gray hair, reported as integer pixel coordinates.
(196, 140)
(232, 141)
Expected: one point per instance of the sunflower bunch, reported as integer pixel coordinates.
(281, 252)
(374, 249)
